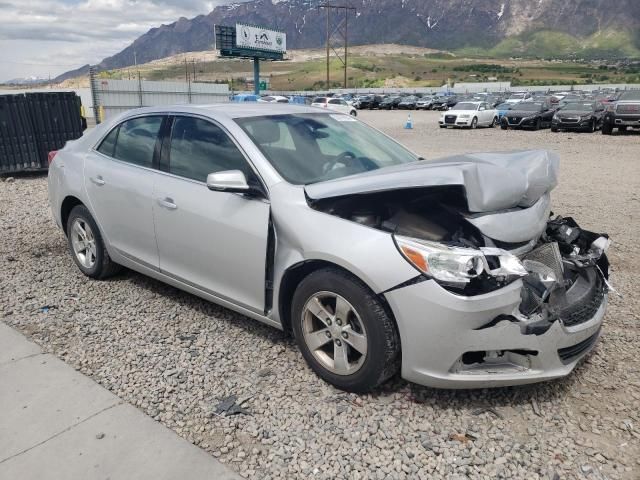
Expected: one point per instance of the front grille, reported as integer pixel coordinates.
(513, 120)
(583, 312)
(569, 120)
(567, 354)
(548, 254)
(450, 119)
(633, 109)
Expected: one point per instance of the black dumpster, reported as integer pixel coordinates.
(33, 124)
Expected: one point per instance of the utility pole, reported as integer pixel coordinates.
(328, 8)
(343, 29)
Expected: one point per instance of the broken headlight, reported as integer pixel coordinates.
(458, 265)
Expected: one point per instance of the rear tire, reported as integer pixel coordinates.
(87, 247)
(367, 325)
(554, 129)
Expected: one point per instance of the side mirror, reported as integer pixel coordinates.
(232, 181)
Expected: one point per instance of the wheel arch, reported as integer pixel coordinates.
(292, 277)
(68, 204)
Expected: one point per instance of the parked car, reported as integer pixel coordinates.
(336, 104)
(389, 103)
(370, 102)
(469, 115)
(531, 115)
(408, 103)
(443, 103)
(266, 209)
(518, 97)
(424, 103)
(273, 99)
(503, 108)
(623, 113)
(584, 116)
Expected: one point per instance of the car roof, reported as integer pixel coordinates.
(228, 110)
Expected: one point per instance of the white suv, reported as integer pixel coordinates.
(337, 104)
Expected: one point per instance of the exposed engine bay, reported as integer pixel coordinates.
(564, 268)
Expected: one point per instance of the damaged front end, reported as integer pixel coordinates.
(505, 293)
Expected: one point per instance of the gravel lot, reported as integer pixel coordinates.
(175, 356)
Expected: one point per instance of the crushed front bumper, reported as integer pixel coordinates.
(453, 341)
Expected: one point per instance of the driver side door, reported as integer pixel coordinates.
(213, 240)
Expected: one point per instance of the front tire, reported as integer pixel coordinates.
(86, 245)
(607, 129)
(474, 123)
(344, 332)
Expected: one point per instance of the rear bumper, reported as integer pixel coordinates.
(441, 331)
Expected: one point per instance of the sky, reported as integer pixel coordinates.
(46, 38)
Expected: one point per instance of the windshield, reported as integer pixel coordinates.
(528, 107)
(517, 96)
(504, 106)
(314, 147)
(635, 95)
(579, 107)
(465, 106)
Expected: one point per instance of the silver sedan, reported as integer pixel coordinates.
(448, 272)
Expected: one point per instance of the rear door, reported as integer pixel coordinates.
(215, 241)
(119, 182)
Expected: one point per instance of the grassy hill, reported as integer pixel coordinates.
(609, 44)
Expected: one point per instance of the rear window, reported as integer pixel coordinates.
(108, 145)
(136, 140)
(319, 100)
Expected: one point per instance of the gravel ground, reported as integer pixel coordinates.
(175, 356)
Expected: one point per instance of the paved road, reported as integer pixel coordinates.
(55, 423)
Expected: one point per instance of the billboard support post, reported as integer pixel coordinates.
(256, 75)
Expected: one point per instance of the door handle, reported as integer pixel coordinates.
(98, 180)
(167, 203)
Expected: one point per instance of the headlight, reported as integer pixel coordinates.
(458, 265)
(585, 117)
(556, 118)
(465, 115)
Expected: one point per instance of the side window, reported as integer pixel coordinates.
(334, 102)
(108, 145)
(199, 147)
(136, 140)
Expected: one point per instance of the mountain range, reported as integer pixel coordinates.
(544, 28)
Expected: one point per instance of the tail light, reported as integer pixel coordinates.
(51, 156)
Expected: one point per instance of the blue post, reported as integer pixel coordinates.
(256, 75)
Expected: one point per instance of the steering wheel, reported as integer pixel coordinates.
(344, 157)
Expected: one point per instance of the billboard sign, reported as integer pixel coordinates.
(256, 38)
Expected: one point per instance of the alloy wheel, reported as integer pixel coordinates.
(334, 333)
(83, 242)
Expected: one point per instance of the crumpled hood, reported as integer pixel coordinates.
(492, 181)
